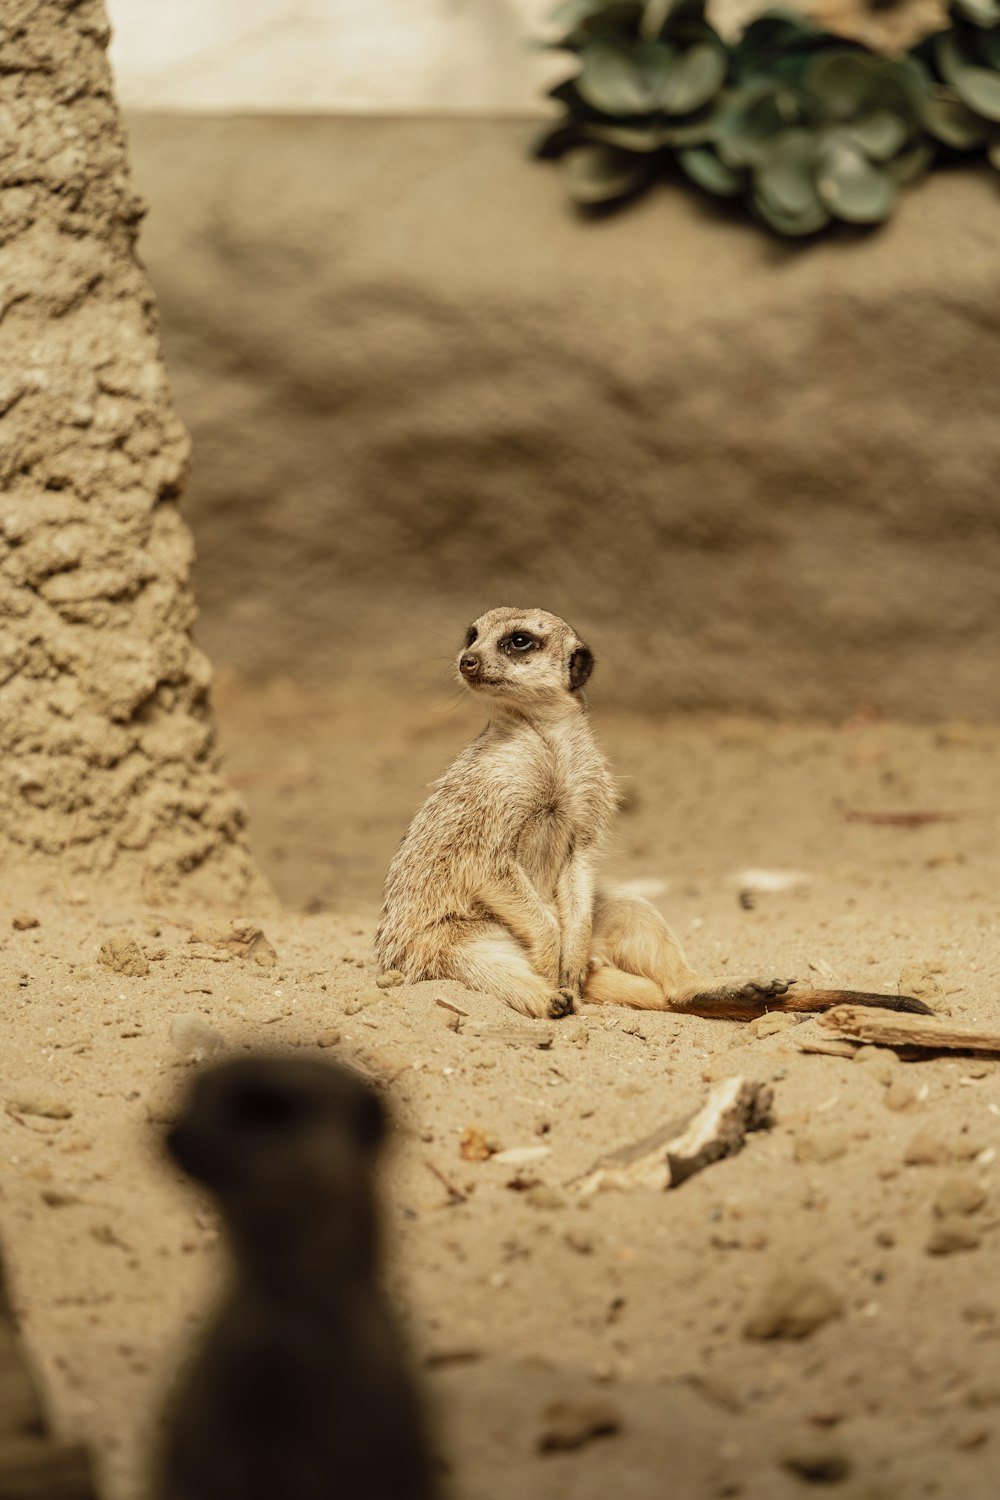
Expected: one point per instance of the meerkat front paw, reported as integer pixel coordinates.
(563, 1003)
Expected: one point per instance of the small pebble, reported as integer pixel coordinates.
(819, 1464)
(927, 1151)
(122, 955)
(390, 980)
(544, 1195)
(570, 1424)
(952, 1235)
(821, 1146)
(902, 1095)
(23, 922)
(982, 1397)
(328, 1038)
(792, 1307)
(477, 1144)
(959, 1195)
(972, 1437)
(770, 1025)
(915, 980)
(879, 1061)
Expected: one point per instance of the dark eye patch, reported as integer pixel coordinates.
(519, 642)
(470, 635)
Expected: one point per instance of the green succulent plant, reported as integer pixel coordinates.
(646, 71)
(962, 109)
(806, 127)
(828, 132)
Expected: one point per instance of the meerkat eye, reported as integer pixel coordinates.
(470, 635)
(520, 641)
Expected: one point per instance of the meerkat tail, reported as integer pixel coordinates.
(817, 1000)
(613, 986)
(730, 1002)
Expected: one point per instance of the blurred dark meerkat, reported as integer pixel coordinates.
(300, 1388)
(494, 881)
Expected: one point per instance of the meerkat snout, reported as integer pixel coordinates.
(469, 666)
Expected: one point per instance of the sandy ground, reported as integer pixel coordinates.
(519, 1298)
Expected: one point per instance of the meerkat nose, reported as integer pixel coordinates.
(469, 665)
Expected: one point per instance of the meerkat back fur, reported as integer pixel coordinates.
(494, 881)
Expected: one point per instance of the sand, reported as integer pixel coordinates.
(519, 1296)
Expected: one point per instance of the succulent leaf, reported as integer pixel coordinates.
(792, 225)
(852, 187)
(841, 81)
(638, 138)
(953, 123)
(705, 168)
(979, 88)
(692, 79)
(599, 174)
(880, 133)
(786, 177)
(980, 12)
(615, 81)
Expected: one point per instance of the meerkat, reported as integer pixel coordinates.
(300, 1388)
(494, 882)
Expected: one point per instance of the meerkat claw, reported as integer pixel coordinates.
(562, 1004)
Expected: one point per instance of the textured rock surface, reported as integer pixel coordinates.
(107, 752)
(755, 476)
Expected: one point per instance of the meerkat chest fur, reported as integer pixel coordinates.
(562, 794)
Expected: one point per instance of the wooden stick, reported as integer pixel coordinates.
(672, 1154)
(909, 1031)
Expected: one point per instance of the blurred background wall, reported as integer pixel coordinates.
(759, 477)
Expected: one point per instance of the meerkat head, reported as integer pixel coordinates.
(288, 1147)
(524, 657)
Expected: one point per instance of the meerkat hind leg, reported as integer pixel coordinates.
(496, 963)
(638, 961)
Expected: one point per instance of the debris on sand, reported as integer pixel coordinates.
(567, 1425)
(821, 1146)
(521, 1156)
(957, 1196)
(43, 1108)
(672, 1154)
(23, 921)
(241, 939)
(122, 955)
(477, 1144)
(914, 819)
(952, 1234)
(390, 980)
(818, 1463)
(927, 1150)
(791, 1307)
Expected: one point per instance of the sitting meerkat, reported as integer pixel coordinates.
(300, 1388)
(494, 881)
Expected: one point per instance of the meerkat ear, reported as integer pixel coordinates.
(581, 664)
